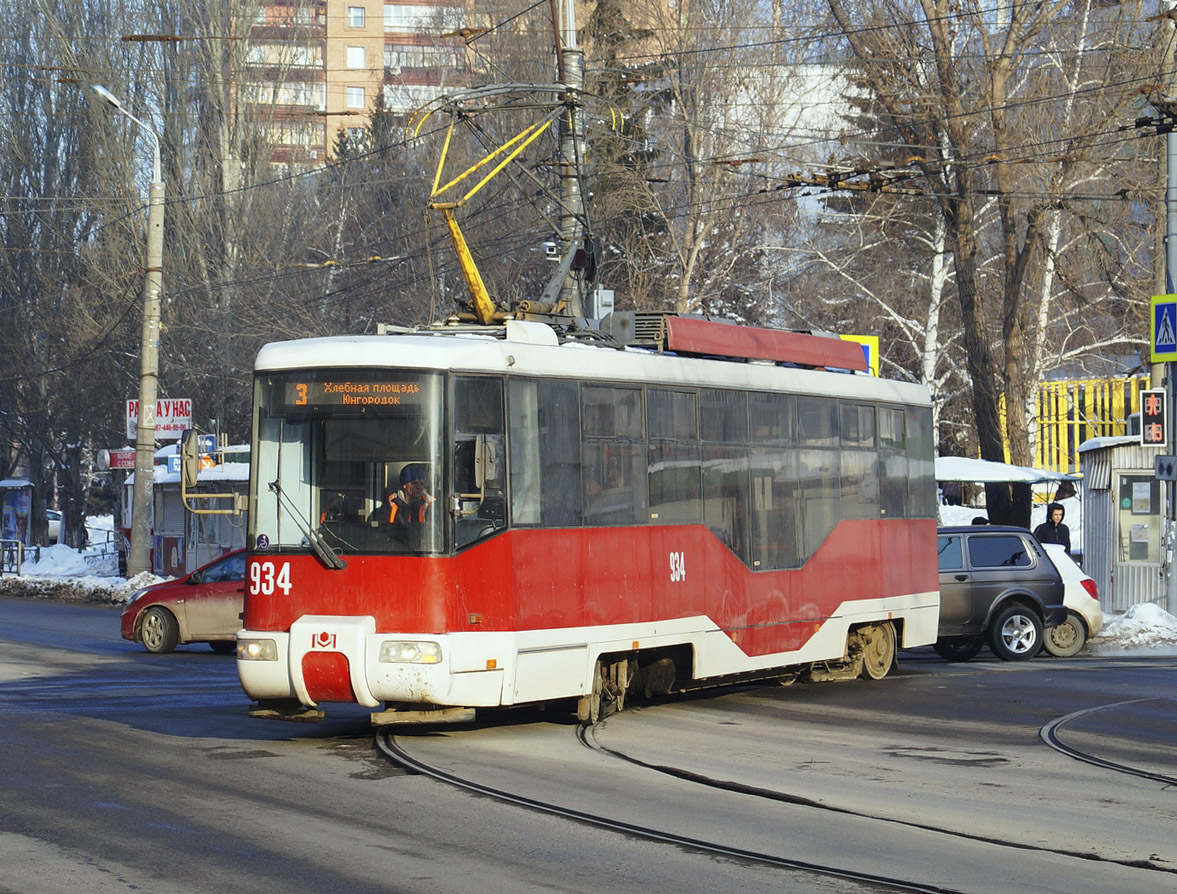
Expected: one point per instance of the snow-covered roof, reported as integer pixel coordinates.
(16, 482)
(1102, 443)
(983, 471)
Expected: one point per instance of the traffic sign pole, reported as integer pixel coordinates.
(1163, 344)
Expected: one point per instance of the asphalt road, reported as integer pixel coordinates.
(123, 771)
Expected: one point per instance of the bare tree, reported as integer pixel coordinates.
(1017, 108)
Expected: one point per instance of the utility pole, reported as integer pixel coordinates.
(139, 558)
(571, 61)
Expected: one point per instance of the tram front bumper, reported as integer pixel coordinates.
(379, 668)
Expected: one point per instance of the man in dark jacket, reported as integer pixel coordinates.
(1053, 530)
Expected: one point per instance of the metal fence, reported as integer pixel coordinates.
(12, 553)
(1074, 411)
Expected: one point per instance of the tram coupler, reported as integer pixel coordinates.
(426, 715)
(285, 709)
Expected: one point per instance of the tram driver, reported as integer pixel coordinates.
(406, 509)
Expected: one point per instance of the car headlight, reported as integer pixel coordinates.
(136, 595)
(399, 652)
(257, 650)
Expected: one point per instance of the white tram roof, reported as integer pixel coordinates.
(519, 354)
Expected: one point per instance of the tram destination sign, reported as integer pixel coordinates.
(352, 393)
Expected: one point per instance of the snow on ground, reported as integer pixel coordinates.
(92, 575)
(1144, 629)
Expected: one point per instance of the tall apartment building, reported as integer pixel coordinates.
(313, 67)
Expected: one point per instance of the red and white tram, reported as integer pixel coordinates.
(597, 521)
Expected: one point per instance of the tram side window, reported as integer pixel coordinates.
(892, 463)
(725, 497)
(559, 446)
(478, 460)
(671, 415)
(614, 483)
(526, 487)
(614, 461)
(817, 422)
(921, 468)
(723, 416)
(611, 412)
(818, 473)
(858, 425)
(545, 453)
(773, 475)
(860, 484)
(672, 421)
(860, 462)
(771, 418)
(675, 496)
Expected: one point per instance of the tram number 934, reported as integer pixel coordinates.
(266, 577)
(678, 567)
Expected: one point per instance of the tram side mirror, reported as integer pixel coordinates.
(486, 461)
(189, 457)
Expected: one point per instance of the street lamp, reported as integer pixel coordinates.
(139, 558)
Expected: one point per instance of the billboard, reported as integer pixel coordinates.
(172, 417)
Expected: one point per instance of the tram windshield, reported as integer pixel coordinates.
(349, 460)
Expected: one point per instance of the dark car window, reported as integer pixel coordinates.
(232, 568)
(951, 555)
(998, 551)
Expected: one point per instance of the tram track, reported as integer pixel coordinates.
(386, 742)
(389, 745)
(1049, 734)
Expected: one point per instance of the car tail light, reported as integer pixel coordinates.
(1090, 586)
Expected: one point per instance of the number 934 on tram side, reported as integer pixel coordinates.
(446, 520)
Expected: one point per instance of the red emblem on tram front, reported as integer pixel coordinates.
(323, 640)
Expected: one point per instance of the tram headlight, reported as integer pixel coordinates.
(401, 652)
(257, 650)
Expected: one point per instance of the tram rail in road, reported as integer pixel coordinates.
(1097, 871)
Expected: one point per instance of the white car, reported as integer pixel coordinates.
(1084, 615)
(54, 519)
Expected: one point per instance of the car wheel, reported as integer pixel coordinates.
(1016, 634)
(959, 648)
(223, 646)
(159, 631)
(1067, 638)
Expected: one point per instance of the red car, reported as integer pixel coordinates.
(204, 607)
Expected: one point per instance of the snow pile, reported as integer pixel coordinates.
(89, 575)
(65, 561)
(1143, 629)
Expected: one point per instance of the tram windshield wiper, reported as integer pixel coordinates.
(326, 555)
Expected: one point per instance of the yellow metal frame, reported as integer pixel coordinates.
(1072, 411)
(484, 307)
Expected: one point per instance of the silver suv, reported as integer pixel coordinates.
(997, 585)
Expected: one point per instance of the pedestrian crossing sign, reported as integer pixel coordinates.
(1164, 328)
(870, 349)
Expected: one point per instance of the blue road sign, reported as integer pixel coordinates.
(1163, 335)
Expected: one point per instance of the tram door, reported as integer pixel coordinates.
(478, 502)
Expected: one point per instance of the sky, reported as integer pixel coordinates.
(1143, 629)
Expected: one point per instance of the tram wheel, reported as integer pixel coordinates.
(610, 683)
(159, 631)
(878, 654)
(588, 709)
